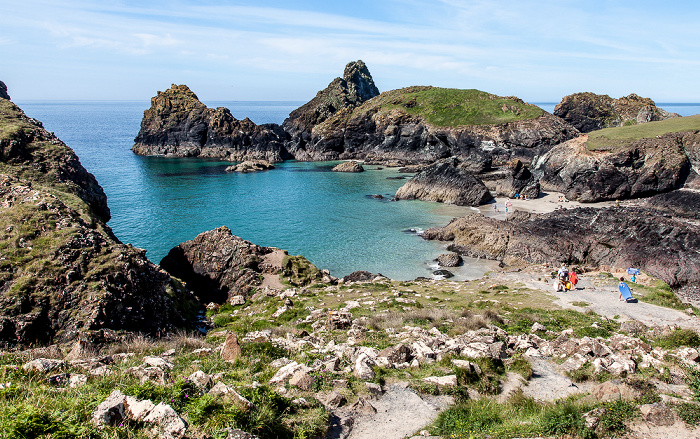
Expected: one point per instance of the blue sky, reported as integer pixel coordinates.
(284, 50)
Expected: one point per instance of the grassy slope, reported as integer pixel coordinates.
(611, 138)
(448, 107)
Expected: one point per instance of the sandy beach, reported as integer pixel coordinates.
(546, 202)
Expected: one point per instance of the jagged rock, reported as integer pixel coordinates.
(444, 182)
(237, 300)
(218, 265)
(229, 394)
(573, 363)
(177, 124)
(470, 367)
(449, 380)
(658, 414)
(109, 411)
(363, 367)
(538, 327)
(349, 166)
(154, 374)
(335, 400)
(399, 353)
(355, 87)
(43, 365)
(160, 362)
(288, 371)
(3, 91)
(251, 166)
(632, 169)
(518, 181)
(588, 111)
(169, 424)
(231, 349)
(363, 407)
(200, 379)
(374, 389)
(302, 380)
(449, 260)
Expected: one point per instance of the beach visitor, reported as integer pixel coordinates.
(622, 282)
(573, 278)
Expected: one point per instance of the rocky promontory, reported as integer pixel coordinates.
(589, 111)
(445, 182)
(3, 91)
(621, 163)
(219, 266)
(426, 124)
(355, 87)
(178, 125)
(616, 237)
(63, 274)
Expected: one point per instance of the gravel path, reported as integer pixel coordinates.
(401, 412)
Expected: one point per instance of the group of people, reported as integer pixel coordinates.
(566, 280)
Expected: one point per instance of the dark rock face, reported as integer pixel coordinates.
(218, 265)
(589, 111)
(680, 203)
(179, 125)
(641, 168)
(449, 260)
(370, 131)
(518, 181)
(355, 87)
(618, 237)
(444, 182)
(3, 91)
(63, 273)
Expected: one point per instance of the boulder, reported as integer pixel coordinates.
(449, 380)
(43, 365)
(200, 379)
(519, 181)
(449, 260)
(349, 166)
(303, 380)
(109, 411)
(231, 350)
(251, 166)
(658, 414)
(614, 390)
(444, 182)
(335, 400)
(168, 423)
(229, 394)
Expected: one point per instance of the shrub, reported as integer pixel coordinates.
(564, 419)
(679, 338)
(689, 413)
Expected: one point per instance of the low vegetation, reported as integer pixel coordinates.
(613, 138)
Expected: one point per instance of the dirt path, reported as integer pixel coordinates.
(603, 299)
(401, 412)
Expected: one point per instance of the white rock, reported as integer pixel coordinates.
(449, 380)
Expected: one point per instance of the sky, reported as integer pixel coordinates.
(274, 50)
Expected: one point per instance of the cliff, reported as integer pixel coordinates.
(3, 91)
(588, 111)
(62, 271)
(425, 124)
(178, 125)
(625, 162)
(355, 87)
(617, 237)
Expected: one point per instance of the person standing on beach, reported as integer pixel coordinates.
(573, 278)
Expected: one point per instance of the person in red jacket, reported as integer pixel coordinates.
(573, 278)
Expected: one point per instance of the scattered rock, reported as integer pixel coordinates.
(449, 260)
(231, 349)
(349, 166)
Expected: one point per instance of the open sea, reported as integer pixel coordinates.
(330, 218)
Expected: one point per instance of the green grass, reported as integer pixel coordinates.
(659, 293)
(613, 138)
(448, 107)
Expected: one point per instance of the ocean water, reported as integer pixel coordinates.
(330, 218)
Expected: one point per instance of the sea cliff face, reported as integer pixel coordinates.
(62, 271)
(178, 125)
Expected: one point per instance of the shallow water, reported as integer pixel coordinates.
(330, 218)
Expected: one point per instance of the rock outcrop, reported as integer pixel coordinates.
(425, 124)
(3, 91)
(615, 237)
(589, 111)
(178, 125)
(355, 87)
(636, 168)
(518, 181)
(62, 271)
(251, 166)
(217, 265)
(445, 182)
(349, 166)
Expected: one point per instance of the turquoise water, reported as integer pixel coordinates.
(330, 218)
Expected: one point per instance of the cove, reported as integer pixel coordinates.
(330, 218)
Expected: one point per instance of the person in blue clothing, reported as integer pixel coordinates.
(622, 282)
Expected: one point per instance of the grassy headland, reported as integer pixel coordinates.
(450, 107)
(618, 137)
